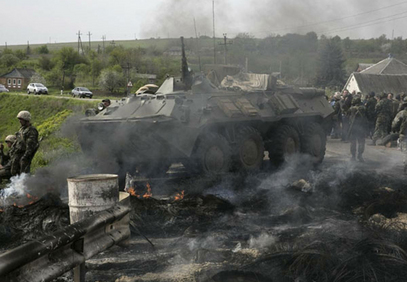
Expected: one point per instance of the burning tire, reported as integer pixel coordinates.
(286, 141)
(249, 149)
(313, 142)
(212, 155)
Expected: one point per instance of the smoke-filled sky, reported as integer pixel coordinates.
(49, 21)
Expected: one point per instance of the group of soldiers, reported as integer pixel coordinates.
(375, 117)
(21, 148)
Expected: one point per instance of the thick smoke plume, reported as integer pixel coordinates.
(263, 18)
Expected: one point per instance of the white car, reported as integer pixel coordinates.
(82, 92)
(3, 88)
(37, 88)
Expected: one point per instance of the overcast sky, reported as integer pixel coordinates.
(45, 21)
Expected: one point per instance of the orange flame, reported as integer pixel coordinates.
(132, 192)
(34, 199)
(148, 194)
(179, 196)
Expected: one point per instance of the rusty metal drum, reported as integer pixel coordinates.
(91, 193)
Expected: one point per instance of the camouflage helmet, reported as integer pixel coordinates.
(405, 99)
(25, 115)
(356, 101)
(10, 138)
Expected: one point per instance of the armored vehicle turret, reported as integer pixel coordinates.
(208, 129)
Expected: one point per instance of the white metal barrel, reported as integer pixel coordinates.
(91, 193)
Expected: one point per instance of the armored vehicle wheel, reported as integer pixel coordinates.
(212, 156)
(285, 142)
(249, 149)
(313, 142)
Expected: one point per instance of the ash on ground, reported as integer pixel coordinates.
(336, 224)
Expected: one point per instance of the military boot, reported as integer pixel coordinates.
(361, 159)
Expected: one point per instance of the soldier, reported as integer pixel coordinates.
(5, 167)
(399, 125)
(106, 102)
(402, 105)
(384, 113)
(396, 104)
(345, 106)
(370, 112)
(357, 128)
(337, 116)
(26, 144)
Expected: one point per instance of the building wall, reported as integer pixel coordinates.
(352, 85)
(15, 83)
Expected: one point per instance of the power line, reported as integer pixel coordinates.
(339, 19)
(368, 23)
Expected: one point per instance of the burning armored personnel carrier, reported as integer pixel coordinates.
(210, 130)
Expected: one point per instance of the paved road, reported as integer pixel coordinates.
(65, 96)
(377, 158)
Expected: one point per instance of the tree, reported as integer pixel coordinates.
(330, 71)
(45, 63)
(111, 80)
(9, 60)
(37, 78)
(66, 59)
(42, 49)
(21, 54)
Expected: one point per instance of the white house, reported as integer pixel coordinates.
(389, 75)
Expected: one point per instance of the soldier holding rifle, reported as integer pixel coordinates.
(358, 125)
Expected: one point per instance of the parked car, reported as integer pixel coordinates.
(37, 88)
(3, 88)
(82, 92)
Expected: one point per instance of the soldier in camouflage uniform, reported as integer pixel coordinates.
(346, 103)
(26, 144)
(5, 167)
(357, 128)
(370, 112)
(399, 125)
(337, 116)
(384, 113)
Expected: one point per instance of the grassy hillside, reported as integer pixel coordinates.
(160, 44)
(48, 114)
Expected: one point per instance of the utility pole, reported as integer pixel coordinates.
(28, 48)
(214, 38)
(89, 34)
(225, 50)
(103, 39)
(79, 41)
(197, 46)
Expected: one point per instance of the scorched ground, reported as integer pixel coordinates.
(341, 222)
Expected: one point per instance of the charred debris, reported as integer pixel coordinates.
(313, 226)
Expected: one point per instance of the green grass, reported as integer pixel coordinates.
(161, 44)
(48, 114)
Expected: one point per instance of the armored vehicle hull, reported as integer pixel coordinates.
(209, 130)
